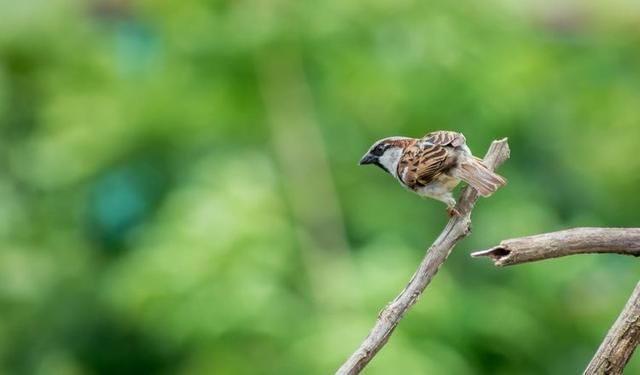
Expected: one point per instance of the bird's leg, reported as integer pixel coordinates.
(451, 207)
(447, 198)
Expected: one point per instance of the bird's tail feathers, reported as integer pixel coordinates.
(475, 173)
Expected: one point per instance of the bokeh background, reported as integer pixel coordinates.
(179, 191)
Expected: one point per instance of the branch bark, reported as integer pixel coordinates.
(456, 229)
(624, 241)
(620, 342)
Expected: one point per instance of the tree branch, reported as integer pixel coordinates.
(456, 229)
(624, 241)
(620, 342)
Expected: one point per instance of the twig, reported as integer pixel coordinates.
(620, 342)
(567, 242)
(456, 229)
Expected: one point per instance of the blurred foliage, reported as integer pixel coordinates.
(179, 190)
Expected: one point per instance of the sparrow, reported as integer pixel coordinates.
(432, 166)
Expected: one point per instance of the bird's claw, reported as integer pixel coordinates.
(453, 212)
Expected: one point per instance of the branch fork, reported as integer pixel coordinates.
(621, 340)
(623, 337)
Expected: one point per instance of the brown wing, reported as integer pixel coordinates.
(445, 138)
(423, 162)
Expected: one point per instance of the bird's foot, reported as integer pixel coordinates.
(452, 211)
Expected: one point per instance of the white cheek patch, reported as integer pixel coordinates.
(390, 160)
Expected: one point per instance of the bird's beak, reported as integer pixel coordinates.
(368, 159)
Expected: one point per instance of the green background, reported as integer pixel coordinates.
(179, 191)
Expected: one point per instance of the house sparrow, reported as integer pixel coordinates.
(433, 166)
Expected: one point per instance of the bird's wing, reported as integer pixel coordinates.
(421, 163)
(445, 138)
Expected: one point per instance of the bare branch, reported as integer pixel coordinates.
(456, 229)
(566, 242)
(620, 342)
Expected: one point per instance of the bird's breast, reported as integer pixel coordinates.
(439, 186)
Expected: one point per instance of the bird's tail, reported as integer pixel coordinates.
(473, 171)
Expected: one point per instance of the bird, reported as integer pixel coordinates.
(432, 166)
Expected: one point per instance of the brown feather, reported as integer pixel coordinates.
(427, 162)
(441, 157)
(475, 173)
(445, 138)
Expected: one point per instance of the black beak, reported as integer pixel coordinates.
(368, 159)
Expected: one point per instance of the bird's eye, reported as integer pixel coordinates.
(379, 150)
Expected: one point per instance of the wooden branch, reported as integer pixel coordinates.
(456, 229)
(624, 336)
(624, 241)
(620, 342)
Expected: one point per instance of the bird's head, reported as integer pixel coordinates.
(386, 153)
